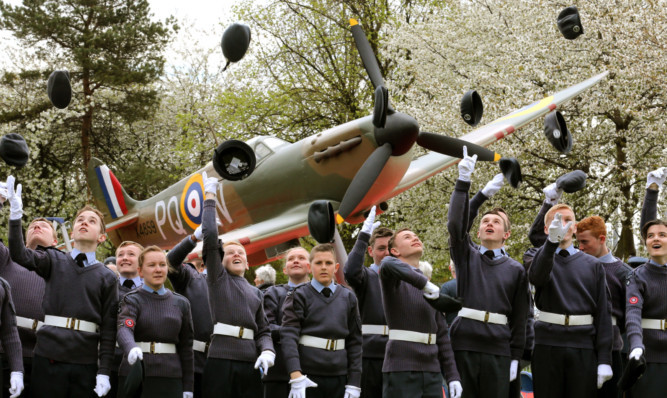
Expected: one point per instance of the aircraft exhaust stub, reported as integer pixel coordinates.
(321, 221)
(59, 89)
(555, 129)
(234, 160)
(471, 107)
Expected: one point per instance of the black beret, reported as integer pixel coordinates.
(234, 160)
(14, 150)
(471, 107)
(511, 169)
(555, 129)
(569, 23)
(635, 261)
(59, 89)
(632, 372)
(572, 182)
(134, 380)
(235, 41)
(110, 260)
(321, 221)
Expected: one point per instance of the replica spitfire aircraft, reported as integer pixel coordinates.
(353, 166)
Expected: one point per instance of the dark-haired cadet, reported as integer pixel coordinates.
(75, 346)
(240, 327)
(321, 333)
(419, 350)
(366, 284)
(155, 326)
(488, 336)
(297, 269)
(646, 312)
(574, 323)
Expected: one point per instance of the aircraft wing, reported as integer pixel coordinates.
(432, 163)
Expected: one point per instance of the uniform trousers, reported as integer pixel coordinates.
(154, 387)
(327, 386)
(276, 389)
(226, 378)
(371, 377)
(652, 384)
(483, 375)
(610, 388)
(564, 372)
(56, 379)
(411, 384)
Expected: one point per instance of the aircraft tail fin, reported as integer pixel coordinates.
(110, 197)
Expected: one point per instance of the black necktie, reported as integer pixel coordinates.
(80, 259)
(564, 253)
(326, 292)
(490, 254)
(128, 283)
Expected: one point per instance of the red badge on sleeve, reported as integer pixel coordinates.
(129, 323)
(633, 300)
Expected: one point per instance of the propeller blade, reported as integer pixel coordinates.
(381, 104)
(363, 181)
(454, 147)
(367, 54)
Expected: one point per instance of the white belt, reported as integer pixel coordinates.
(415, 337)
(483, 316)
(324, 344)
(613, 320)
(565, 320)
(657, 324)
(200, 346)
(157, 348)
(71, 323)
(28, 323)
(375, 329)
(234, 331)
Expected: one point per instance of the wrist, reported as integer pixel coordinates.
(295, 375)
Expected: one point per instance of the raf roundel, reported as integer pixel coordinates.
(633, 300)
(192, 200)
(129, 323)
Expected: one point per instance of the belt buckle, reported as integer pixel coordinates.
(385, 332)
(152, 347)
(240, 332)
(486, 317)
(331, 345)
(663, 324)
(71, 324)
(567, 320)
(429, 338)
(35, 323)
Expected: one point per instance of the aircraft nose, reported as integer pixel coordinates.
(401, 131)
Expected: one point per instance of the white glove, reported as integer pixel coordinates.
(431, 291)
(654, 177)
(299, 385)
(604, 373)
(552, 194)
(369, 225)
(3, 192)
(636, 353)
(455, 389)
(199, 233)
(514, 369)
(466, 165)
(14, 198)
(102, 385)
(352, 392)
(493, 186)
(135, 354)
(210, 183)
(188, 394)
(557, 230)
(265, 360)
(16, 384)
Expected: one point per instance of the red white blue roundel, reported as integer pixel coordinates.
(633, 300)
(192, 201)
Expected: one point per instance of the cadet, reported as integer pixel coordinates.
(80, 303)
(592, 235)
(419, 350)
(573, 335)
(321, 333)
(654, 181)
(488, 336)
(155, 326)
(646, 312)
(29, 288)
(9, 337)
(240, 328)
(297, 269)
(366, 284)
(189, 282)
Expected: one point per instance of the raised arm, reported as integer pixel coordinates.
(654, 181)
(211, 252)
(394, 268)
(354, 271)
(536, 233)
(178, 275)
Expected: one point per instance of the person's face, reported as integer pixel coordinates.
(568, 216)
(590, 244)
(87, 228)
(492, 229)
(324, 267)
(40, 233)
(258, 281)
(235, 260)
(127, 260)
(379, 250)
(154, 269)
(407, 244)
(297, 265)
(656, 241)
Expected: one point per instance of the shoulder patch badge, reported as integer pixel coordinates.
(633, 300)
(129, 323)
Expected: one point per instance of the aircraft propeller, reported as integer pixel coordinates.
(395, 133)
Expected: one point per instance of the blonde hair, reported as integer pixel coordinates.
(553, 210)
